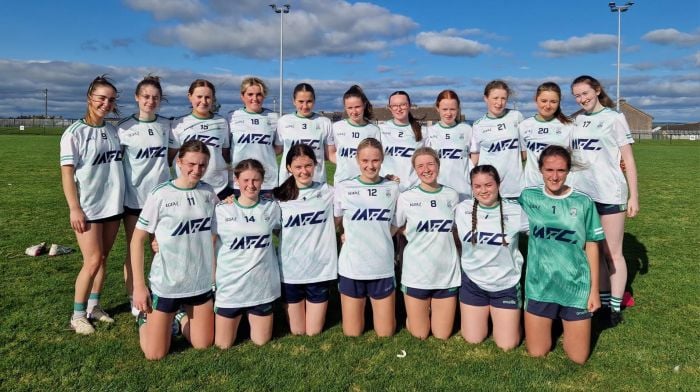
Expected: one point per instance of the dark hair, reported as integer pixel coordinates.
(356, 91)
(370, 142)
(193, 145)
(491, 171)
(553, 87)
(450, 94)
(102, 81)
(425, 151)
(555, 151)
(150, 80)
(304, 87)
(603, 98)
(288, 190)
(496, 84)
(249, 164)
(415, 124)
(205, 83)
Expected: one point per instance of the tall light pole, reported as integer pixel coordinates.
(619, 9)
(283, 10)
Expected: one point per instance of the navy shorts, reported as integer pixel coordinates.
(112, 218)
(554, 311)
(373, 288)
(316, 292)
(610, 209)
(172, 305)
(132, 211)
(471, 294)
(429, 293)
(258, 310)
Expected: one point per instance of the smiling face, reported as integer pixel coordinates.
(496, 101)
(101, 102)
(427, 168)
(554, 171)
(304, 103)
(400, 107)
(587, 97)
(192, 166)
(370, 161)
(448, 110)
(249, 181)
(547, 104)
(201, 99)
(253, 98)
(485, 189)
(355, 109)
(148, 100)
(302, 169)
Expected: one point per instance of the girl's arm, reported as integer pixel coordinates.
(172, 152)
(631, 174)
(594, 265)
(330, 152)
(70, 190)
(141, 297)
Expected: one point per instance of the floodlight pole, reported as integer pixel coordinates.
(283, 10)
(619, 9)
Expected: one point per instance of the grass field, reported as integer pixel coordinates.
(657, 348)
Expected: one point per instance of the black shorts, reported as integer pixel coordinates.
(471, 294)
(316, 292)
(258, 310)
(373, 288)
(172, 305)
(555, 311)
(610, 209)
(112, 218)
(430, 293)
(132, 211)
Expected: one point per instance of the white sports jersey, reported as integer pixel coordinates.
(489, 264)
(307, 250)
(95, 154)
(535, 136)
(253, 136)
(347, 136)
(181, 219)
(215, 134)
(314, 131)
(452, 146)
(399, 143)
(247, 272)
(496, 140)
(145, 146)
(430, 259)
(367, 211)
(596, 142)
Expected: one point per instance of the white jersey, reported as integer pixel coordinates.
(145, 146)
(399, 143)
(314, 131)
(253, 136)
(307, 247)
(181, 219)
(215, 134)
(452, 146)
(367, 211)
(247, 272)
(596, 142)
(535, 136)
(430, 259)
(346, 137)
(496, 140)
(96, 156)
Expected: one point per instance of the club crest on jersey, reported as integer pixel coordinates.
(398, 151)
(306, 218)
(485, 238)
(434, 225)
(573, 211)
(250, 242)
(209, 140)
(388, 193)
(254, 138)
(107, 157)
(313, 143)
(151, 152)
(372, 214)
(192, 226)
(554, 233)
(505, 144)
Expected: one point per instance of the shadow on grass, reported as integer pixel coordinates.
(636, 259)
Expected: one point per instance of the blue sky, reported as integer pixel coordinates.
(421, 47)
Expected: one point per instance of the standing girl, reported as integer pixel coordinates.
(488, 228)
(307, 218)
(495, 138)
(144, 139)
(305, 126)
(364, 208)
(450, 138)
(430, 271)
(562, 262)
(247, 272)
(601, 138)
(210, 128)
(93, 184)
(179, 214)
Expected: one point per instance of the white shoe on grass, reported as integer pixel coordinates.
(57, 250)
(81, 326)
(100, 315)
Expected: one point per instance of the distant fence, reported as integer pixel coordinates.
(35, 122)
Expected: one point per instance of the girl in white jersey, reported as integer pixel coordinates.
(430, 270)
(548, 127)
(495, 139)
(93, 184)
(144, 140)
(348, 133)
(488, 228)
(364, 209)
(307, 218)
(253, 131)
(210, 128)
(247, 271)
(179, 213)
(450, 137)
(305, 126)
(601, 139)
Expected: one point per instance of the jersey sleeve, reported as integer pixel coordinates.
(621, 131)
(227, 139)
(594, 230)
(69, 151)
(173, 140)
(328, 135)
(148, 218)
(275, 215)
(474, 142)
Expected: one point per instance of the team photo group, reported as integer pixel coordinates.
(438, 212)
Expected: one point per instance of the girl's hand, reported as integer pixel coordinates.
(142, 299)
(593, 301)
(392, 177)
(154, 245)
(632, 207)
(78, 220)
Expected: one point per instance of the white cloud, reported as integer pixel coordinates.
(447, 43)
(672, 37)
(169, 9)
(590, 43)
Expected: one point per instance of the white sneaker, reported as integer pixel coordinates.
(81, 326)
(100, 315)
(35, 250)
(56, 250)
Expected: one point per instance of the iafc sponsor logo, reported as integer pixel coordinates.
(206, 139)
(485, 238)
(107, 157)
(536, 147)
(151, 152)
(502, 145)
(586, 144)
(192, 226)
(397, 151)
(309, 142)
(451, 153)
(372, 214)
(554, 233)
(306, 218)
(255, 138)
(251, 242)
(348, 152)
(434, 225)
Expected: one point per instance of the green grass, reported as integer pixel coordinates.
(38, 352)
